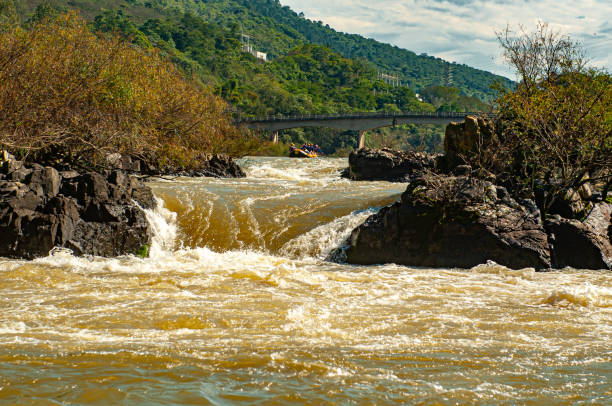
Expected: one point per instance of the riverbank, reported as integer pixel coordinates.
(90, 213)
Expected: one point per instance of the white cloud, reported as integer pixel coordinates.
(463, 31)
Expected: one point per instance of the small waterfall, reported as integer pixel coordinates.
(323, 241)
(163, 227)
(284, 207)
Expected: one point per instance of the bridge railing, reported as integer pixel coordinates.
(427, 114)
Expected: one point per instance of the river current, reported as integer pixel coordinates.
(239, 303)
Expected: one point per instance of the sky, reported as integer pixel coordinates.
(463, 31)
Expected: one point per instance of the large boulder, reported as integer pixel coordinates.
(453, 221)
(583, 244)
(123, 162)
(90, 213)
(220, 166)
(386, 164)
(463, 140)
(208, 165)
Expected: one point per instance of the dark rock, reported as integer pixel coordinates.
(70, 186)
(47, 178)
(462, 140)
(121, 162)
(119, 178)
(19, 175)
(389, 165)
(596, 197)
(143, 195)
(215, 166)
(462, 170)
(88, 213)
(8, 189)
(452, 222)
(92, 186)
(582, 244)
(570, 205)
(69, 174)
(220, 166)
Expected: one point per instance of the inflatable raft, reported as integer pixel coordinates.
(299, 153)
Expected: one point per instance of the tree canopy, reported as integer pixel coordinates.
(556, 126)
(74, 96)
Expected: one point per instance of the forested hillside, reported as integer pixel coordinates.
(311, 68)
(276, 30)
(418, 71)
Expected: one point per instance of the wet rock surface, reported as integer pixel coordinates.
(388, 165)
(215, 166)
(89, 213)
(582, 244)
(450, 221)
(220, 166)
(452, 215)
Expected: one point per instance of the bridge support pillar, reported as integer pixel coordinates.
(275, 138)
(361, 142)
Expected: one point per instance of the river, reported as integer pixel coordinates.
(239, 304)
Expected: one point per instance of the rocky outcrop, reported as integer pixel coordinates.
(123, 163)
(582, 244)
(215, 166)
(90, 214)
(220, 166)
(389, 165)
(463, 140)
(453, 221)
(452, 215)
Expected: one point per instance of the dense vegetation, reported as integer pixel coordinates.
(555, 132)
(312, 70)
(69, 94)
(308, 79)
(276, 30)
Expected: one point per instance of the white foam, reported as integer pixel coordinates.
(164, 228)
(321, 241)
(584, 295)
(13, 327)
(315, 172)
(269, 172)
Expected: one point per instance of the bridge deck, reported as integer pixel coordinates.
(353, 121)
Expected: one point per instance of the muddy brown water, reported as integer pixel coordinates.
(238, 305)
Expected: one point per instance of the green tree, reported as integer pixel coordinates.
(557, 124)
(42, 12)
(116, 22)
(8, 14)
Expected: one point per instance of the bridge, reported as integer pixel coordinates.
(361, 122)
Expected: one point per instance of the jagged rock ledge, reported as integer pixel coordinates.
(448, 221)
(88, 213)
(214, 166)
(388, 165)
(450, 216)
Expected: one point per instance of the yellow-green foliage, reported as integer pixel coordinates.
(272, 149)
(67, 91)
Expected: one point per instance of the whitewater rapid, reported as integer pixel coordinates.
(239, 303)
